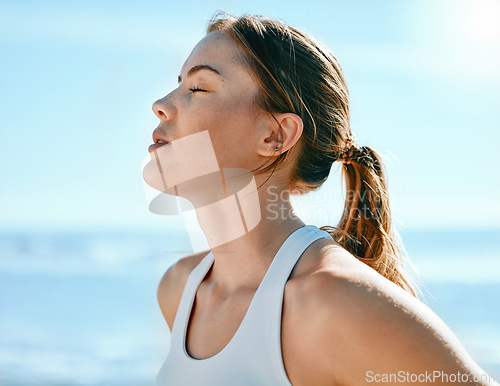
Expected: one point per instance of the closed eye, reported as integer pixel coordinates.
(196, 89)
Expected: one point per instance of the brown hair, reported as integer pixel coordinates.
(297, 74)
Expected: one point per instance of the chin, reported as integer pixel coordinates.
(154, 178)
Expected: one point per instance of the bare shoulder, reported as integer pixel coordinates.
(172, 285)
(360, 325)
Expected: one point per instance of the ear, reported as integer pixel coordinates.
(282, 132)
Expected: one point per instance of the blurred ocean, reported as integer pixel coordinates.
(81, 308)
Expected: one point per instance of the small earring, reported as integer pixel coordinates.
(276, 148)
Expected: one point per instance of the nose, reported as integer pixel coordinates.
(164, 109)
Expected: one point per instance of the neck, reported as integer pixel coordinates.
(245, 230)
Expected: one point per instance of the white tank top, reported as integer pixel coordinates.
(253, 356)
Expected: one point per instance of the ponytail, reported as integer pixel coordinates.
(365, 229)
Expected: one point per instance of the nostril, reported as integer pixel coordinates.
(163, 109)
(158, 109)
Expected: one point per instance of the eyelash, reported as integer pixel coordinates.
(196, 89)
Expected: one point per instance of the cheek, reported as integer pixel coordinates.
(230, 121)
(234, 131)
(236, 114)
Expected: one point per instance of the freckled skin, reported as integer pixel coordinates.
(226, 110)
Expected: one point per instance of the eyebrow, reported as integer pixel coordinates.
(197, 68)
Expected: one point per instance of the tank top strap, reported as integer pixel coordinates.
(288, 255)
(263, 321)
(188, 294)
(272, 286)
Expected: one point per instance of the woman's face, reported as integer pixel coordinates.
(216, 94)
(212, 124)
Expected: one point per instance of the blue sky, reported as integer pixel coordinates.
(78, 80)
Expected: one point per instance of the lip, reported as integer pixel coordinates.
(159, 136)
(155, 146)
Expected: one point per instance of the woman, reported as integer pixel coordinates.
(275, 302)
